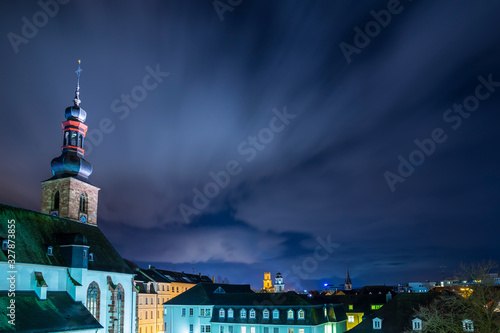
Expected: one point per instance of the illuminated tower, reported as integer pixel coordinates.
(268, 284)
(68, 193)
(279, 285)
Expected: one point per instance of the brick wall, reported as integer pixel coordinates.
(70, 190)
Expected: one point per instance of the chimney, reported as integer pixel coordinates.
(200, 274)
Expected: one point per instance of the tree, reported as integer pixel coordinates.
(477, 301)
(220, 279)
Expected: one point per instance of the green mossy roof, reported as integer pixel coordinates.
(59, 312)
(35, 232)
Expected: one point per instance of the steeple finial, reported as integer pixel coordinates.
(77, 92)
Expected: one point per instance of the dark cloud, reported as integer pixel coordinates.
(323, 174)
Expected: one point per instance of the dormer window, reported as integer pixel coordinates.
(377, 323)
(276, 314)
(50, 250)
(468, 325)
(301, 314)
(230, 313)
(222, 313)
(265, 314)
(289, 314)
(252, 314)
(416, 324)
(243, 313)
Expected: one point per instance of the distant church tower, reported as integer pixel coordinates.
(348, 283)
(68, 193)
(279, 286)
(268, 284)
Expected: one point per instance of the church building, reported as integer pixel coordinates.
(58, 272)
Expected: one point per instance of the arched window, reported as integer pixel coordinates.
(66, 140)
(120, 301)
(80, 141)
(265, 314)
(230, 313)
(276, 314)
(290, 314)
(83, 203)
(243, 313)
(56, 201)
(252, 314)
(93, 299)
(222, 313)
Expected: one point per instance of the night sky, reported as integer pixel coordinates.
(320, 125)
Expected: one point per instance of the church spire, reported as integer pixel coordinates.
(68, 193)
(77, 91)
(71, 162)
(347, 283)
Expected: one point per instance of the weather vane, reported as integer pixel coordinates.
(77, 92)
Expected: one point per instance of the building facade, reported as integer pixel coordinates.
(66, 273)
(225, 308)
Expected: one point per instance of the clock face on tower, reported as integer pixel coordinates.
(83, 218)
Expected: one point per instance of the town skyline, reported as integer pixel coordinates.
(301, 138)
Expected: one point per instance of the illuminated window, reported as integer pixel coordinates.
(377, 323)
(417, 324)
(376, 307)
(301, 314)
(351, 306)
(252, 314)
(265, 314)
(243, 329)
(230, 313)
(468, 325)
(301, 330)
(276, 314)
(350, 319)
(290, 330)
(290, 314)
(252, 329)
(93, 299)
(243, 313)
(222, 313)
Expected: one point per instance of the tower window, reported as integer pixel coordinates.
(83, 203)
(91, 256)
(50, 250)
(56, 201)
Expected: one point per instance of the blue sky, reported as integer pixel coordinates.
(178, 99)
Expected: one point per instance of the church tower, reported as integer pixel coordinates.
(279, 285)
(348, 283)
(268, 284)
(68, 193)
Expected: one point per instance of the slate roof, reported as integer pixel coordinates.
(182, 277)
(203, 294)
(360, 303)
(35, 232)
(397, 314)
(59, 312)
(241, 296)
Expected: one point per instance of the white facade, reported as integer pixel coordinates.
(56, 279)
(194, 319)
